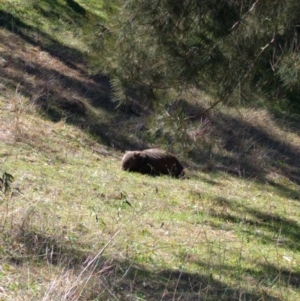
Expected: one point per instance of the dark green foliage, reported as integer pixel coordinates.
(227, 48)
(238, 52)
(5, 182)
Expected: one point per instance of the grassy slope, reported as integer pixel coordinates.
(75, 227)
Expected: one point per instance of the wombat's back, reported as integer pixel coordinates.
(163, 162)
(152, 161)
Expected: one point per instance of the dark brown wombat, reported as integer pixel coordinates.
(153, 162)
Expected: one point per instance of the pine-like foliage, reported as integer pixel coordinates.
(233, 50)
(225, 47)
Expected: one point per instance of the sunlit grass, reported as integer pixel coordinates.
(57, 21)
(232, 230)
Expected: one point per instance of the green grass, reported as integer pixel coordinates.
(233, 234)
(58, 17)
(76, 227)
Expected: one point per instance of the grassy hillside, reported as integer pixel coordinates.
(76, 227)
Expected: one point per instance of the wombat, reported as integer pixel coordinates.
(153, 162)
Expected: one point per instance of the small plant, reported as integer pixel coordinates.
(5, 183)
(5, 187)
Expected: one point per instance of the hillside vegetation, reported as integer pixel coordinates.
(74, 226)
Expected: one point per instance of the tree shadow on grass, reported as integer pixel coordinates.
(263, 276)
(34, 36)
(270, 228)
(53, 77)
(253, 152)
(128, 280)
(244, 148)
